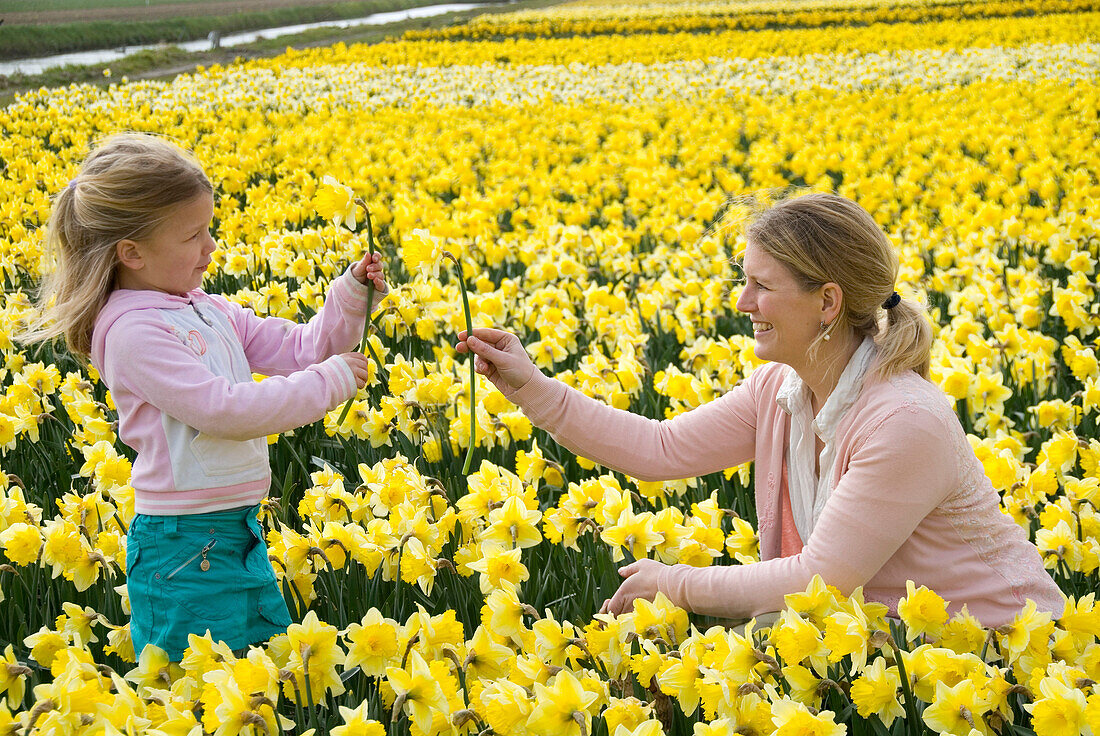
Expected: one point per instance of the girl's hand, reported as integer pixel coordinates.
(360, 366)
(500, 357)
(640, 582)
(370, 269)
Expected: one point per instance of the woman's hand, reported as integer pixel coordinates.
(501, 357)
(640, 582)
(370, 269)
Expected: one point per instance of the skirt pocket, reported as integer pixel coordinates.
(138, 589)
(270, 603)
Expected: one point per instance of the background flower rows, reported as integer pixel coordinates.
(591, 183)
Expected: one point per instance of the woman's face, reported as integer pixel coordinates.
(785, 318)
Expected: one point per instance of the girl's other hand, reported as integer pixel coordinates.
(360, 366)
(370, 269)
(501, 357)
(640, 582)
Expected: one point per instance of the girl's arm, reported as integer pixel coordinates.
(279, 347)
(149, 362)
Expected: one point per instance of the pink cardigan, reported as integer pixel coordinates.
(910, 500)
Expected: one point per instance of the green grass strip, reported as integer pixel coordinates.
(21, 41)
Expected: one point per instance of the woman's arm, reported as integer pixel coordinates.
(899, 475)
(715, 436)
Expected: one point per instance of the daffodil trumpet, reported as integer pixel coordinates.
(473, 375)
(365, 345)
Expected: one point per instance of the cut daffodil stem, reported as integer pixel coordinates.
(473, 375)
(365, 345)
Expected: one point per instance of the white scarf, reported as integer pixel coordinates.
(809, 493)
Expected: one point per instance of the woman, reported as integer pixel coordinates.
(863, 472)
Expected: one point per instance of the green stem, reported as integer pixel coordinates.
(365, 345)
(911, 715)
(473, 374)
(309, 696)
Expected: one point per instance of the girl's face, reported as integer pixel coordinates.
(785, 318)
(174, 257)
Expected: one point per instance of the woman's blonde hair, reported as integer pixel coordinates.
(126, 187)
(824, 238)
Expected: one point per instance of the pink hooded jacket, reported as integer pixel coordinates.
(180, 373)
(910, 500)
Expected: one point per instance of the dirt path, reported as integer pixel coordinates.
(153, 12)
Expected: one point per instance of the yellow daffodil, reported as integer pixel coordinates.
(21, 542)
(154, 669)
(1059, 711)
(791, 717)
(422, 252)
(372, 643)
(513, 525)
(626, 712)
(923, 612)
(499, 566)
(562, 707)
(957, 710)
(418, 693)
(13, 677)
(506, 706)
(877, 691)
(336, 202)
(796, 640)
(357, 722)
(314, 654)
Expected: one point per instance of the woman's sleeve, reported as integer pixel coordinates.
(718, 435)
(152, 364)
(278, 347)
(900, 474)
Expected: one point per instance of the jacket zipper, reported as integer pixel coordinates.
(209, 546)
(221, 338)
(202, 316)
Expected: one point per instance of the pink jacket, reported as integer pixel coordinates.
(910, 500)
(180, 372)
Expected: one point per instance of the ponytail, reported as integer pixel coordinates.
(904, 341)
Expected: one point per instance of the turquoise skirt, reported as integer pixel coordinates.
(198, 573)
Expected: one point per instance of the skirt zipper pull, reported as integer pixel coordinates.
(205, 564)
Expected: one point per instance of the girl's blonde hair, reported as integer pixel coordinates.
(824, 238)
(126, 187)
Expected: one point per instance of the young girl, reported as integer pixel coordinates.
(131, 240)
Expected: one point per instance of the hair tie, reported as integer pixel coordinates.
(72, 182)
(892, 301)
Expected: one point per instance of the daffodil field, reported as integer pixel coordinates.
(586, 167)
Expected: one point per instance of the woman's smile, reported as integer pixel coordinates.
(761, 327)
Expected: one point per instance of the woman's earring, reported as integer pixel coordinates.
(825, 328)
